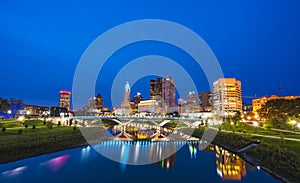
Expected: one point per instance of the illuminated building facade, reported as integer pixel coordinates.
(156, 88)
(99, 101)
(36, 110)
(64, 99)
(164, 92)
(227, 96)
(148, 106)
(137, 98)
(192, 102)
(258, 103)
(126, 102)
(169, 92)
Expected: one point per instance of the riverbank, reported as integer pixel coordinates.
(14, 145)
(279, 161)
(20, 143)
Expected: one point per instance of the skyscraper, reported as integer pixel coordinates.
(227, 96)
(156, 88)
(168, 92)
(64, 99)
(192, 102)
(99, 101)
(126, 101)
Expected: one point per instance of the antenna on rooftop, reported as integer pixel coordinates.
(280, 90)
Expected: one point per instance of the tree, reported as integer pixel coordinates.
(277, 112)
(4, 105)
(282, 140)
(20, 103)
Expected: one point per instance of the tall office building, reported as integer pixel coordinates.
(64, 99)
(168, 92)
(227, 96)
(126, 101)
(163, 91)
(205, 101)
(99, 101)
(156, 88)
(192, 102)
(191, 98)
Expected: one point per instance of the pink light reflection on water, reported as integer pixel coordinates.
(56, 164)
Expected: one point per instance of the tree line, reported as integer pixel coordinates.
(11, 105)
(279, 112)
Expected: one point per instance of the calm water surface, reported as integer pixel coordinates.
(84, 164)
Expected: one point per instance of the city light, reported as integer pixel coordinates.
(298, 125)
(9, 112)
(255, 123)
(21, 118)
(294, 122)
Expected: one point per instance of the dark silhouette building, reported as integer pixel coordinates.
(205, 101)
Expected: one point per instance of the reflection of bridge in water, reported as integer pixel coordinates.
(149, 127)
(146, 152)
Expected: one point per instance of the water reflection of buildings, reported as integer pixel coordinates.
(170, 161)
(229, 165)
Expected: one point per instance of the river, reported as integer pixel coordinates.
(85, 164)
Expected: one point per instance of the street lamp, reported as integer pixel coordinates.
(298, 125)
(294, 122)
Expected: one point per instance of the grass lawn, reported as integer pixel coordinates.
(31, 142)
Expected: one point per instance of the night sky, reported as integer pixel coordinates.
(41, 43)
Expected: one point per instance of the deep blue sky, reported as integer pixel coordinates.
(41, 42)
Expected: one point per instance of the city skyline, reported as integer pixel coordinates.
(249, 43)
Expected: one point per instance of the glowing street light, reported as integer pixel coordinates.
(294, 122)
(298, 125)
(9, 112)
(21, 118)
(255, 123)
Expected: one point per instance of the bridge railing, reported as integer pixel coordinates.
(136, 117)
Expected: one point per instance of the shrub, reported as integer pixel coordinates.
(50, 125)
(33, 127)
(26, 125)
(3, 129)
(20, 131)
(59, 123)
(74, 128)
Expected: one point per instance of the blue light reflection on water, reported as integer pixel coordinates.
(84, 164)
